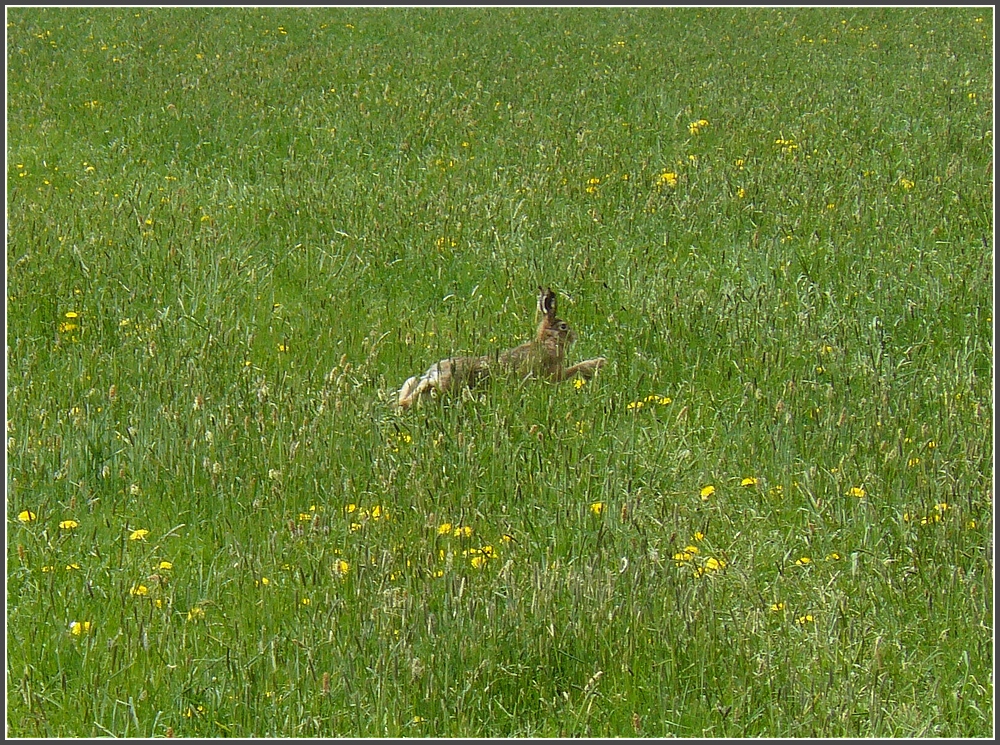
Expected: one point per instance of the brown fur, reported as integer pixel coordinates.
(543, 357)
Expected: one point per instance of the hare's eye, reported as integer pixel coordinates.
(563, 326)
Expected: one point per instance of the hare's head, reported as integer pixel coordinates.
(552, 331)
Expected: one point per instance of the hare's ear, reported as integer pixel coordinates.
(547, 303)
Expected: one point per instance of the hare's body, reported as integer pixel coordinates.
(543, 357)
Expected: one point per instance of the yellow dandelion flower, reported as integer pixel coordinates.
(27, 516)
(196, 613)
(579, 383)
(713, 565)
(804, 561)
(165, 566)
(655, 398)
(139, 590)
(777, 607)
(748, 481)
(857, 491)
(479, 561)
(682, 556)
(262, 582)
(698, 536)
(707, 491)
(444, 528)
(138, 535)
(342, 567)
(597, 508)
(306, 601)
(378, 513)
(696, 127)
(802, 620)
(78, 628)
(72, 567)
(906, 184)
(667, 178)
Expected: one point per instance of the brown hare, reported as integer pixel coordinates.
(544, 357)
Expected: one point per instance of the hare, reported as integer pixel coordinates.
(544, 357)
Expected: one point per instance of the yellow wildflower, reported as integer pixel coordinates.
(667, 178)
(78, 628)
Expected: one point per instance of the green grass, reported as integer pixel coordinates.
(266, 220)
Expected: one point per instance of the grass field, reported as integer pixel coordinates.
(233, 234)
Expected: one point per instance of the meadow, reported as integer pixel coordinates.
(233, 233)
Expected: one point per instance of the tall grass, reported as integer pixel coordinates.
(233, 233)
